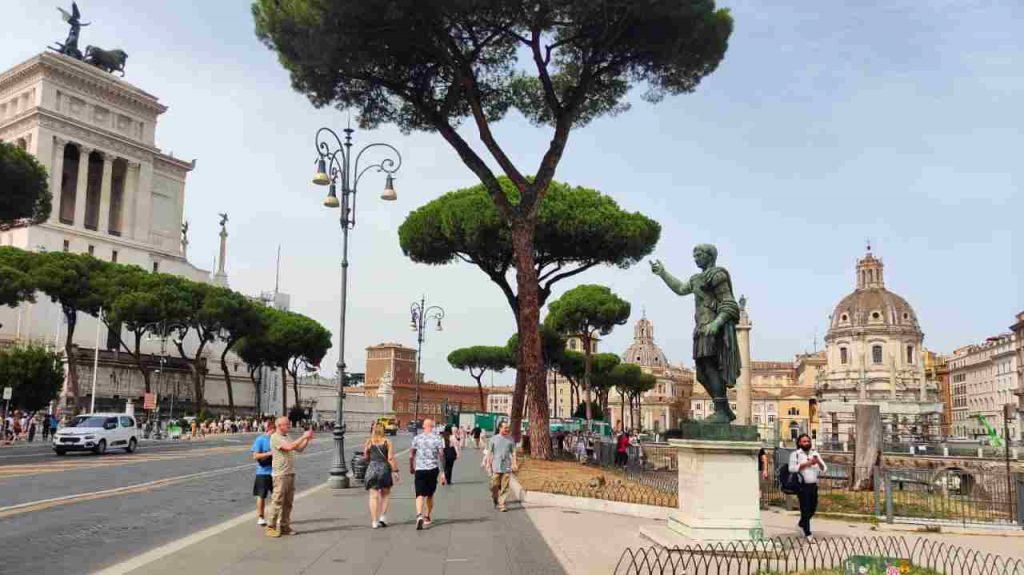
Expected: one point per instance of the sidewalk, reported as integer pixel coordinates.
(468, 537)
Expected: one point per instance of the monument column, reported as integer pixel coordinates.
(130, 200)
(83, 184)
(56, 178)
(103, 225)
(220, 278)
(743, 392)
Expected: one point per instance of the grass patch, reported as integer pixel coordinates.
(576, 480)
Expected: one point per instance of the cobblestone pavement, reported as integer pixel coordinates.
(77, 513)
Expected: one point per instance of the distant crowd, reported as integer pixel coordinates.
(24, 426)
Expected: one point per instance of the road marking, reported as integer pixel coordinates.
(173, 547)
(43, 504)
(53, 466)
(153, 555)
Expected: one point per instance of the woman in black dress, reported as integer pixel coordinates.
(381, 473)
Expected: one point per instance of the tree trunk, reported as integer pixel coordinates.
(71, 316)
(587, 361)
(146, 379)
(295, 387)
(284, 392)
(227, 380)
(531, 359)
(480, 388)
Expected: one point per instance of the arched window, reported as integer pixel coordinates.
(876, 354)
(910, 354)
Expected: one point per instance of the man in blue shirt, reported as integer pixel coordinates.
(264, 483)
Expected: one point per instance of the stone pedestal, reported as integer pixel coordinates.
(718, 494)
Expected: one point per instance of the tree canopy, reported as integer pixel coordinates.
(431, 64)
(584, 312)
(478, 360)
(35, 373)
(577, 229)
(16, 284)
(24, 187)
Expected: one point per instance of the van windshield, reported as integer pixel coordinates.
(87, 421)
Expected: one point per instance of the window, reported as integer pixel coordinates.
(910, 354)
(127, 421)
(572, 344)
(844, 356)
(92, 250)
(876, 354)
(113, 256)
(844, 317)
(156, 267)
(793, 411)
(875, 315)
(771, 419)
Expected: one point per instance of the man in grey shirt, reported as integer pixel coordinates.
(501, 462)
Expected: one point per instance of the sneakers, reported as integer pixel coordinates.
(261, 522)
(426, 520)
(419, 523)
(811, 539)
(288, 531)
(375, 525)
(271, 532)
(383, 521)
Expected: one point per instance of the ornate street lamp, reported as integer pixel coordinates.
(335, 166)
(421, 314)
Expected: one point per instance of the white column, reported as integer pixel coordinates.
(56, 178)
(103, 221)
(144, 198)
(81, 192)
(743, 384)
(129, 200)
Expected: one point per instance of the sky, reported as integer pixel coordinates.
(826, 126)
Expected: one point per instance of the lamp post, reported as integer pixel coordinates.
(334, 166)
(421, 314)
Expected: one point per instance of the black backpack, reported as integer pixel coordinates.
(789, 483)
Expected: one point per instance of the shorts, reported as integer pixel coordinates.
(426, 482)
(263, 486)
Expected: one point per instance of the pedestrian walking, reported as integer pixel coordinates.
(501, 462)
(476, 436)
(809, 464)
(381, 474)
(54, 424)
(32, 429)
(283, 473)
(263, 484)
(451, 453)
(426, 457)
(622, 449)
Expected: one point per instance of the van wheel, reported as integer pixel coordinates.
(131, 445)
(101, 447)
(60, 451)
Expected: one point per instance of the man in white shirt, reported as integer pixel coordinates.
(809, 464)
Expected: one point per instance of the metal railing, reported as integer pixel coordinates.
(611, 490)
(792, 555)
(944, 496)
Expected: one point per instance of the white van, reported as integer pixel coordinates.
(97, 432)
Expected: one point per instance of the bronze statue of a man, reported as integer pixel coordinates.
(715, 350)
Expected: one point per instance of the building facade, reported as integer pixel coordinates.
(874, 351)
(117, 197)
(985, 378)
(499, 400)
(395, 364)
(668, 403)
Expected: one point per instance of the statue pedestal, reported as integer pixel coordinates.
(718, 494)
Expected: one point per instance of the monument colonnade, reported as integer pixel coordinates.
(93, 188)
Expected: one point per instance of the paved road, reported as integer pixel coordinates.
(77, 513)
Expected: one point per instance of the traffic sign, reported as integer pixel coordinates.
(8, 391)
(149, 401)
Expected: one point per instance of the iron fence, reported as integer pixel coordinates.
(793, 555)
(944, 496)
(611, 490)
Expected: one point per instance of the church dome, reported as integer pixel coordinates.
(871, 305)
(644, 352)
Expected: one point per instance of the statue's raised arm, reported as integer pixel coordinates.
(674, 283)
